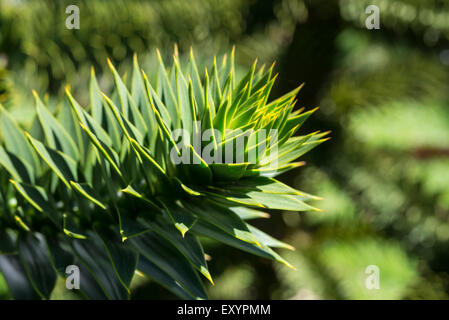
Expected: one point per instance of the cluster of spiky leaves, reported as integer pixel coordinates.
(96, 186)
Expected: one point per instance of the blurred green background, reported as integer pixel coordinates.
(384, 93)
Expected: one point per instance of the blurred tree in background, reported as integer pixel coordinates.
(384, 94)
(4, 84)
